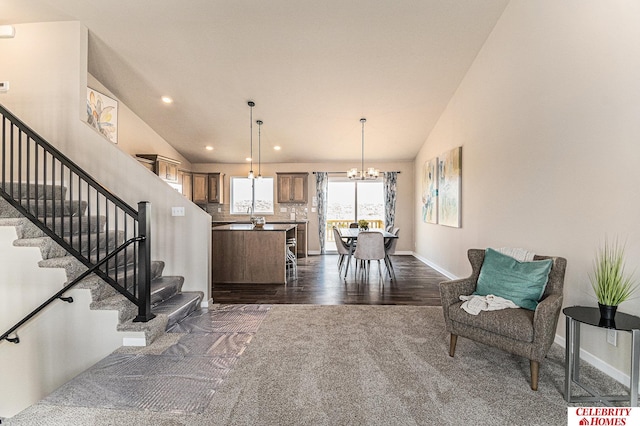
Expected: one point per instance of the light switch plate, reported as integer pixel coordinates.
(612, 337)
(177, 211)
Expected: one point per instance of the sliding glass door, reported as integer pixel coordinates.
(349, 201)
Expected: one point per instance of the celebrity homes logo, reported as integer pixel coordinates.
(603, 416)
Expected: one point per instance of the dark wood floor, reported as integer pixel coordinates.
(319, 283)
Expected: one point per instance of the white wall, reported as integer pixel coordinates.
(548, 120)
(404, 211)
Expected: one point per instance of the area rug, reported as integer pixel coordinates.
(384, 365)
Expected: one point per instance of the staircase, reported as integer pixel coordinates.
(168, 302)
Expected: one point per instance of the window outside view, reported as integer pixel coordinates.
(342, 203)
(241, 188)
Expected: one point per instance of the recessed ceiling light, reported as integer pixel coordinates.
(248, 158)
(167, 100)
(277, 148)
(208, 148)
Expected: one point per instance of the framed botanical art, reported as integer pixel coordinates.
(430, 191)
(449, 184)
(102, 114)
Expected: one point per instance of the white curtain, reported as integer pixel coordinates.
(390, 180)
(322, 186)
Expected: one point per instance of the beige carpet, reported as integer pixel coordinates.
(360, 365)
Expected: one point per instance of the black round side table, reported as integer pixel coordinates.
(577, 315)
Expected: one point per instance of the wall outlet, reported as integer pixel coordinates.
(177, 211)
(612, 337)
(219, 209)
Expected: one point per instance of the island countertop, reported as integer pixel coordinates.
(249, 227)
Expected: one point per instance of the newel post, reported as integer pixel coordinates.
(144, 263)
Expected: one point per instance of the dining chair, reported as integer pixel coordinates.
(354, 225)
(343, 248)
(370, 247)
(389, 249)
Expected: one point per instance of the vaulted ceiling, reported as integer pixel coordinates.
(313, 69)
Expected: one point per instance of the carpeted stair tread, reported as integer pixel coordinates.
(48, 248)
(35, 191)
(95, 242)
(179, 306)
(57, 208)
(152, 328)
(117, 302)
(67, 226)
(164, 287)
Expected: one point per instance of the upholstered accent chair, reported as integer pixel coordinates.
(518, 331)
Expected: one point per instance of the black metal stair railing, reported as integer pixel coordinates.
(77, 212)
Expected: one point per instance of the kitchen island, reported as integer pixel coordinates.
(244, 254)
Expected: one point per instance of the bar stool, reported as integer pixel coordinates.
(292, 259)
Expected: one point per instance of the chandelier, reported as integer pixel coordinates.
(371, 172)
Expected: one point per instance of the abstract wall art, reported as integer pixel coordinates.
(449, 187)
(430, 191)
(102, 114)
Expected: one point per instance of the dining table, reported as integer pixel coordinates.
(351, 236)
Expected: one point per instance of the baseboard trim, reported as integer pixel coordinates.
(434, 266)
(596, 362)
(134, 341)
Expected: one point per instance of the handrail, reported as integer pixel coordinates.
(66, 288)
(65, 161)
(77, 212)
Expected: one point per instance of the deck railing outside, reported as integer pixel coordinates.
(344, 223)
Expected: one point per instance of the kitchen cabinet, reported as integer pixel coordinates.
(292, 187)
(200, 188)
(216, 185)
(301, 240)
(185, 180)
(166, 168)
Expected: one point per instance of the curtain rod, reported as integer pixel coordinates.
(343, 172)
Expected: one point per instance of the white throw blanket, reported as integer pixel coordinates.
(474, 304)
(518, 254)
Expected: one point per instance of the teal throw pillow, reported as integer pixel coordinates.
(521, 282)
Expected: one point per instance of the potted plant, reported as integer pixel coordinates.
(611, 283)
(363, 224)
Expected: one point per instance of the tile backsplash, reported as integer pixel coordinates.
(290, 211)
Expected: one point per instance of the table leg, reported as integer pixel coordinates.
(576, 350)
(346, 270)
(568, 358)
(635, 364)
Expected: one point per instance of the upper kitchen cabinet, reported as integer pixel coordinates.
(185, 180)
(164, 167)
(200, 188)
(216, 185)
(292, 187)
(208, 188)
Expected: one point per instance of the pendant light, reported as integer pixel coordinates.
(259, 122)
(371, 172)
(251, 105)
